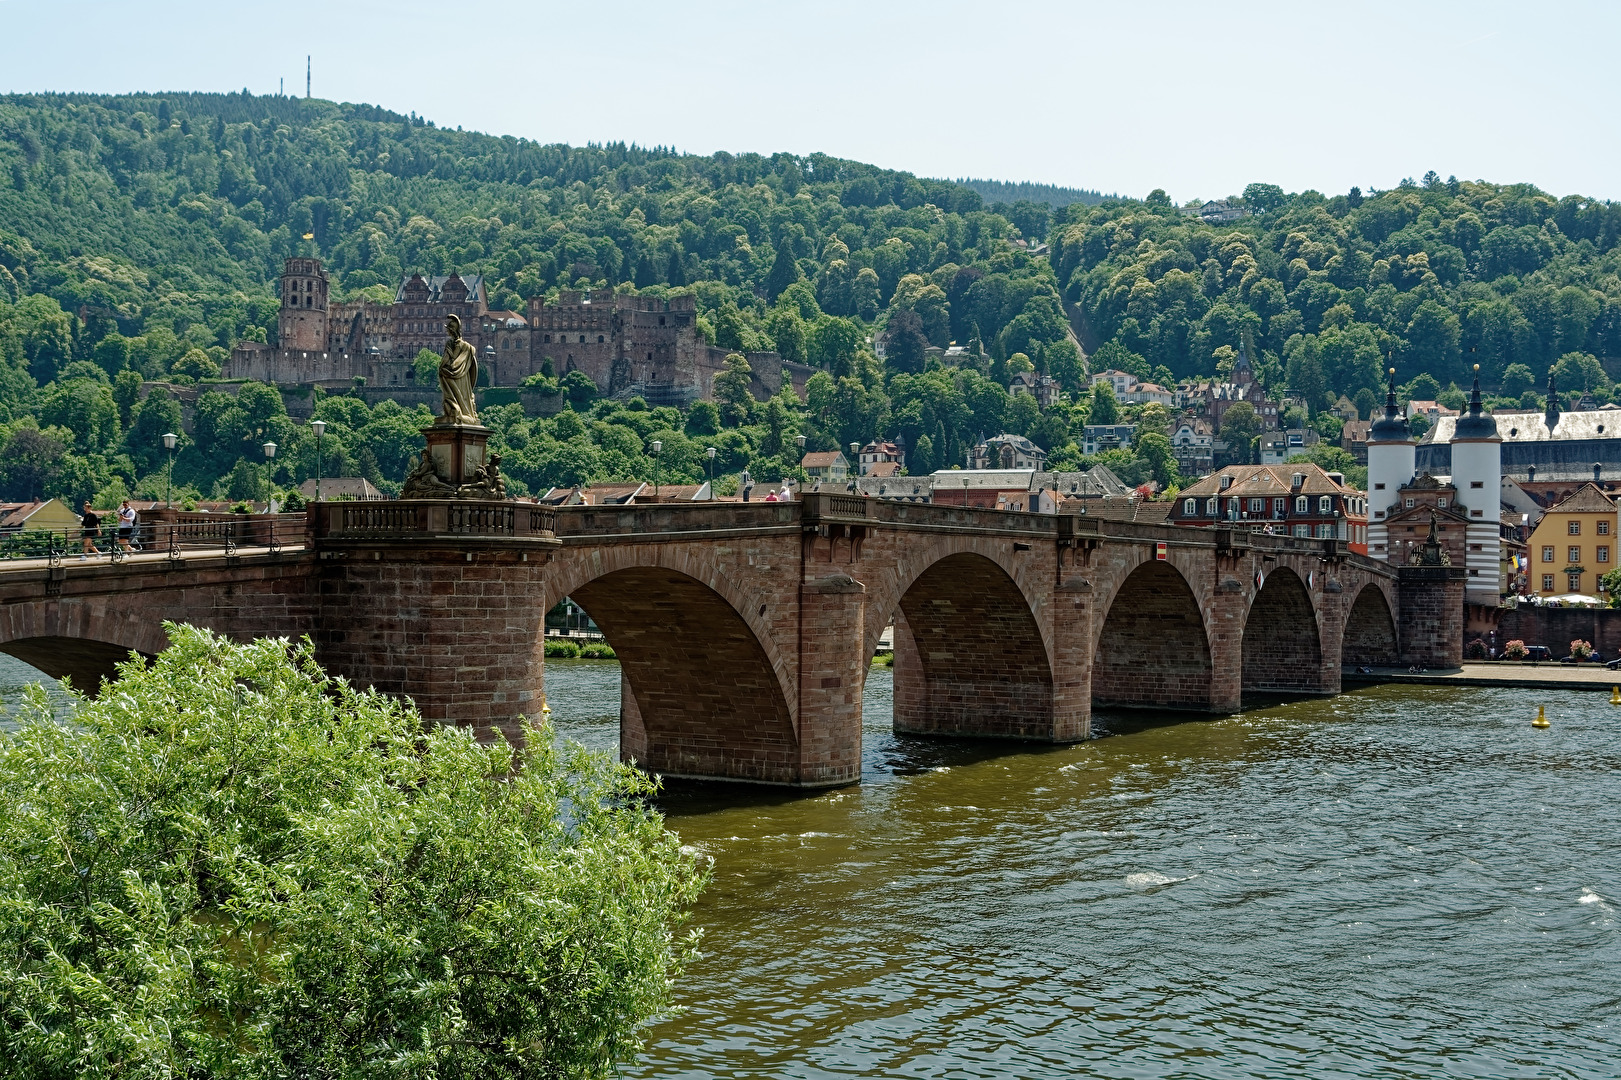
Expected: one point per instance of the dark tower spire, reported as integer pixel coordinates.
(1393, 427)
(1551, 416)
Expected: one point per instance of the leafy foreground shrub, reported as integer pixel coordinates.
(232, 865)
(562, 650)
(597, 651)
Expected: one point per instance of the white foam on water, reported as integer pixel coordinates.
(1590, 897)
(941, 768)
(804, 835)
(1153, 879)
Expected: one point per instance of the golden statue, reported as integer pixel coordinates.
(458, 375)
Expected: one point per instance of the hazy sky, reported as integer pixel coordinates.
(1199, 99)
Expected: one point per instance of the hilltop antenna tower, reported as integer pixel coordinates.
(306, 77)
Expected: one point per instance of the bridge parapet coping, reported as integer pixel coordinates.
(417, 520)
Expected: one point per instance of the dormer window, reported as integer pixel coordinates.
(1298, 480)
(1226, 482)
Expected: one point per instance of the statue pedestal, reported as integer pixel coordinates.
(456, 464)
(458, 452)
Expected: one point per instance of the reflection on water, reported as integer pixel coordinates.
(1399, 883)
(14, 676)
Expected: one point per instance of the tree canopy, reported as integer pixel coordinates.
(231, 865)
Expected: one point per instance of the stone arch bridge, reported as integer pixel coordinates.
(745, 631)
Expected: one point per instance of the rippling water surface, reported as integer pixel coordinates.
(1394, 883)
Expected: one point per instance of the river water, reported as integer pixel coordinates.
(1395, 883)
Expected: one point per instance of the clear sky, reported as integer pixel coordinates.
(1199, 99)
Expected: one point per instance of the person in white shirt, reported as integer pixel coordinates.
(126, 525)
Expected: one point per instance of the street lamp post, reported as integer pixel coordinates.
(710, 454)
(319, 427)
(658, 448)
(170, 440)
(270, 455)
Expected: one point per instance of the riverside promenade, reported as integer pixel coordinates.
(1547, 676)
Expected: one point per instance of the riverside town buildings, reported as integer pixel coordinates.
(1573, 546)
(1295, 500)
(626, 345)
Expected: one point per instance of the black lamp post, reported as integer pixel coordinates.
(319, 427)
(658, 448)
(170, 440)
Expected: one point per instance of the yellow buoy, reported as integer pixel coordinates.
(1541, 720)
(1615, 696)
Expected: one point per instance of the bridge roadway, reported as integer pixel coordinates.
(745, 631)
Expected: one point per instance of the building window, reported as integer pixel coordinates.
(1547, 583)
(1574, 582)
(1477, 483)
(1300, 505)
(1210, 507)
(1190, 507)
(1575, 553)
(1603, 554)
(1441, 502)
(1325, 504)
(1409, 504)
(1574, 528)
(1378, 487)
(1257, 506)
(1603, 528)
(1302, 530)
(1547, 553)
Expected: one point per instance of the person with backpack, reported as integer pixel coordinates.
(126, 525)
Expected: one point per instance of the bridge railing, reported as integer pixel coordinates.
(674, 517)
(175, 534)
(408, 519)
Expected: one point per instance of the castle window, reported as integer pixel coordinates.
(582, 339)
(548, 339)
(599, 339)
(661, 320)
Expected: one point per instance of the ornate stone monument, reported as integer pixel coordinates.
(456, 463)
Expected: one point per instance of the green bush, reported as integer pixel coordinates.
(597, 652)
(232, 865)
(564, 650)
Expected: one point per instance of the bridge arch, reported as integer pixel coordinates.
(1370, 631)
(706, 688)
(1282, 644)
(970, 656)
(78, 641)
(1152, 646)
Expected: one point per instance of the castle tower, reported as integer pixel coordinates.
(1477, 471)
(302, 323)
(1391, 454)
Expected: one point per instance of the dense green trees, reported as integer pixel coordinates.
(1434, 278)
(140, 236)
(235, 866)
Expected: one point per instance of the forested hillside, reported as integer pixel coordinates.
(140, 236)
(1431, 278)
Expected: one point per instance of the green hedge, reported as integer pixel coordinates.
(568, 650)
